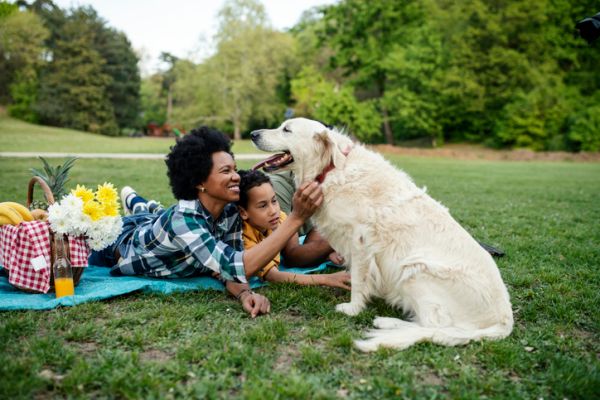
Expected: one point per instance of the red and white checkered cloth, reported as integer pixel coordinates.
(21, 243)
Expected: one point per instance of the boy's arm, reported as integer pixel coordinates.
(314, 251)
(338, 279)
(306, 200)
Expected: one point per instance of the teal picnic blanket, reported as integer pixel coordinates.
(97, 284)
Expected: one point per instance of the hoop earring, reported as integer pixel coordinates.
(202, 190)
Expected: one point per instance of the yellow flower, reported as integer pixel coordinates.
(83, 193)
(93, 209)
(107, 194)
(111, 210)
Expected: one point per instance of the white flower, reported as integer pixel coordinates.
(80, 222)
(56, 212)
(60, 226)
(71, 202)
(96, 244)
(67, 217)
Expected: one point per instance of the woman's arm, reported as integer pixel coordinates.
(306, 201)
(253, 303)
(338, 279)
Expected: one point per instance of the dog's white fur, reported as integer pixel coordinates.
(400, 244)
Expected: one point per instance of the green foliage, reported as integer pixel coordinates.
(334, 104)
(153, 100)
(239, 84)
(24, 97)
(73, 72)
(7, 8)
(73, 87)
(507, 73)
(584, 128)
(22, 36)
(536, 119)
(120, 63)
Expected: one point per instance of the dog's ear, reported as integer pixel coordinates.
(325, 144)
(330, 150)
(323, 139)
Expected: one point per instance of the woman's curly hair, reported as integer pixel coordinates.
(248, 180)
(190, 161)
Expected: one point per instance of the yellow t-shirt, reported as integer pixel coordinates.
(252, 236)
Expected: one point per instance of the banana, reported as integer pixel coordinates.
(4, 220)
(21, 209)
(13, 217)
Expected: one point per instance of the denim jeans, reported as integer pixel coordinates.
(106, 257)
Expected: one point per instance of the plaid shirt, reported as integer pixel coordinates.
(185, 240)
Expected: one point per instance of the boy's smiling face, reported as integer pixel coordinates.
(263, 209)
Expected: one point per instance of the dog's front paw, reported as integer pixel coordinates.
(350, 309)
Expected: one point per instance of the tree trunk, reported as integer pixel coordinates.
(237, 131)
(169, 103)
(387, 129)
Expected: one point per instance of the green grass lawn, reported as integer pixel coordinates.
(202, 345)
(17, 136)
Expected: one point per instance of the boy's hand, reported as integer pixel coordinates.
(307, 199)
(336, 258)
(255, 304)
(339, 279)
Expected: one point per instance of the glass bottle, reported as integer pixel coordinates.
(63, 273)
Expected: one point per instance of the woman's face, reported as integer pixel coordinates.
(223, 182)
(262, 211)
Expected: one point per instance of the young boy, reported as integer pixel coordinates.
(259, 209)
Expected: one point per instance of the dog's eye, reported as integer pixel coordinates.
(286, 129)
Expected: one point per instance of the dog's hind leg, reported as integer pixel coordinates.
(445, 312)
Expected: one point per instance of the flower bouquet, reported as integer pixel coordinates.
(94, 215)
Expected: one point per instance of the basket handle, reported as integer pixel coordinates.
(47, 192)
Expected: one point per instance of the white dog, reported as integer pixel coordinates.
(400, 244)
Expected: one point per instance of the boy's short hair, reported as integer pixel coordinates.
(190, 161)
(249, 179)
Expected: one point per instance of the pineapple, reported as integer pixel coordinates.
(55, 177)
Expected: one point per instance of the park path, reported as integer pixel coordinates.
(133, 156)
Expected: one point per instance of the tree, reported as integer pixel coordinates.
(168, 80)
(121, 64)
(334, 104)
(363, 34)
(240, 82)
(108, 50)
(22, 36)
(73, 87)
(152, 101)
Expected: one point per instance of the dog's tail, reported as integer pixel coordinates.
(399, 334)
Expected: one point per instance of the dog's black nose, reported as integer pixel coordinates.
(254, 135)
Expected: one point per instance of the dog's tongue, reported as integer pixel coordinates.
(268, 161)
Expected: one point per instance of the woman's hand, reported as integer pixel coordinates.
(338, 279)
(254, 303)
(307, 199)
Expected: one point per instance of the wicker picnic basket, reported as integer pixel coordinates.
(77, 271)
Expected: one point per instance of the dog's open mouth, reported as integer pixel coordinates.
(275, 162)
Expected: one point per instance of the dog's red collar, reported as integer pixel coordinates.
(321, 177)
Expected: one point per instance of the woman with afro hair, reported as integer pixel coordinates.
(202, 232)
